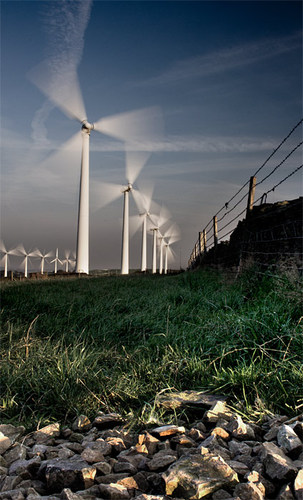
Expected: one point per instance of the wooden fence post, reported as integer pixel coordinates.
(200, 242)
(251, 195)
(215, 226)
(204, 241)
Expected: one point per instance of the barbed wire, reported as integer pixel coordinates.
(281, 182)
(208, 227)
(280, 164)
(278, 147)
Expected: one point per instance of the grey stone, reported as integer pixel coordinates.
(239, 448)
(81, 424)
(239, 429)
(192, 399)
(5, 443)
(47, 432)
(16, 452)
(218, 410)
(248, 491)
(108, 421)
(277, 464)
(103, 467)
(198, 475)
(285, 493)
(114, 491)
(288, 439)
(73, 474)
(298, 485)
(20, 467)
(11, 431)
(67, 494)
(167, 430)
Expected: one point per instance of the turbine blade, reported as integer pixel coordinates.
(60, 84)
(104, 193)
(146, 195)
(137, 198)
(2, 247)
(133, 126)
(135, 161)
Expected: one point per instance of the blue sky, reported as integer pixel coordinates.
(227, 77)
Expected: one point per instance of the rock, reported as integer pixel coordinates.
(238, 448)
(298, 485)
(277, 464)
(10, 483)
(150, 442)
(198, 475)
(285, 493)
(192, 399)
(296, 426)
(220, 432)
(136, 482)
(248, 491)
(16, 452)
(44, 434)
(117, 444)
(239, 429)
(114, 491)
(76, 474)
(221, 495)
(168, 430)
(125, 467)
(81, 424)
(238, 467)
(5, 443)
(103, 467)
(289, 441)
(108, 421)
(111, 478)
(218, 410)
(24, 468)
(67, 494)
(161, 460)
(12, 432)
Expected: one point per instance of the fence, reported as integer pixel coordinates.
(224, 221)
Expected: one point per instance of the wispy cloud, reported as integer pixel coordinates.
(224, 60)
(65, 23)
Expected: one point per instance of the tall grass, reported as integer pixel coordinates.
(112, 343)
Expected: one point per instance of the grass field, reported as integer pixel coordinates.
(112, 343)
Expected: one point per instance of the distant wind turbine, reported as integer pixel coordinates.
(135, 161)
(6, 254)
(42, 256)
(67, 261)
(56, 260)
(132, 127)
(171, 236)
(158, 222)
(21, 251)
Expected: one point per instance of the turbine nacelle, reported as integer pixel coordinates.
(128, 188)
(87, 127)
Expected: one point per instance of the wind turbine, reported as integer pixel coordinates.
(6, 253)
(132, 127)
(135, 161)
(171, 236)
(56, 260)
(21, 251)
(43, 256)
(67, 260)
(157, 222)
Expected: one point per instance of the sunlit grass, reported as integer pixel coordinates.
(113, 343)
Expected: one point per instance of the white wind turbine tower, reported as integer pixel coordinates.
(67, 261)
(21, 251)
(171, 236)
(43, 256)
(131, 127)
(6, 253)
(135, 161)
(157, 222)
(56, 260)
